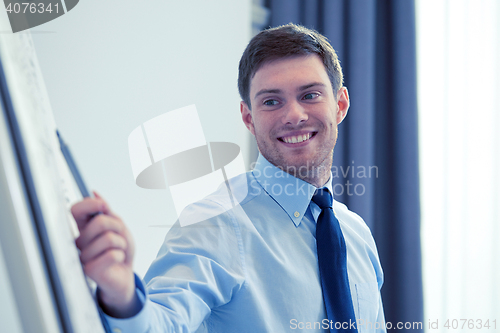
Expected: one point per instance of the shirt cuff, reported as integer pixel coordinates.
(137, 323)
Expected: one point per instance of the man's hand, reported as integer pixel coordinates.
(106, 252)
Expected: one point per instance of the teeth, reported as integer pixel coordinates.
(297, 139)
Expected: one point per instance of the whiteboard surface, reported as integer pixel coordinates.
(38, 130)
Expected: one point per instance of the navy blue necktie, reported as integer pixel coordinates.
(332, 262)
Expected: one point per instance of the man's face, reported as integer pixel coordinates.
(295, 114)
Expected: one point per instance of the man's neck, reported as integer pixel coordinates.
(317, 176)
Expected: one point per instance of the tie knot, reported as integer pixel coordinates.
(322, 198)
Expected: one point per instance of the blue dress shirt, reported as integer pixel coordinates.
(253, 267)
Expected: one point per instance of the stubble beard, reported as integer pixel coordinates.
(315, 171)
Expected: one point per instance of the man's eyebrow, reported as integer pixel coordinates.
(301, 88)
(267, 91)
(310, 85)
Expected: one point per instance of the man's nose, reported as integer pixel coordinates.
(294, 114)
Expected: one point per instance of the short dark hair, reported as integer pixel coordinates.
(286, 41)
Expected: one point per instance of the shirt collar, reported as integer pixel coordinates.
(291, 193)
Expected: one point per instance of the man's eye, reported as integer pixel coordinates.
(311, 96)
(270, 102)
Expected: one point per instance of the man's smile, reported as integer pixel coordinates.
(295, 138)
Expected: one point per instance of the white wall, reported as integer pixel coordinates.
(109, 66)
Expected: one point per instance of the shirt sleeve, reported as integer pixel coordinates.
(198, 268)
(137, 323)
(381, 318)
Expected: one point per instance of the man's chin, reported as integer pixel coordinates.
(295, 167)
(306, 165)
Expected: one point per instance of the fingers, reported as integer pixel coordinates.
(129, 251)
(103, 234)
(108, 241)
(99, 224)
(106, 254)
(108, 270)
(107, 251)
(86, 209)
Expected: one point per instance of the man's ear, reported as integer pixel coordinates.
(342, 104)
(246, 115)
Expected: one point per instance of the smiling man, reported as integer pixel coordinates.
(295, 115)
(288, 257)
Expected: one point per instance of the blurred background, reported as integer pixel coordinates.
(424, 82)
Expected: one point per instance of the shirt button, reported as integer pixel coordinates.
(117, 330)
(296, 214)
